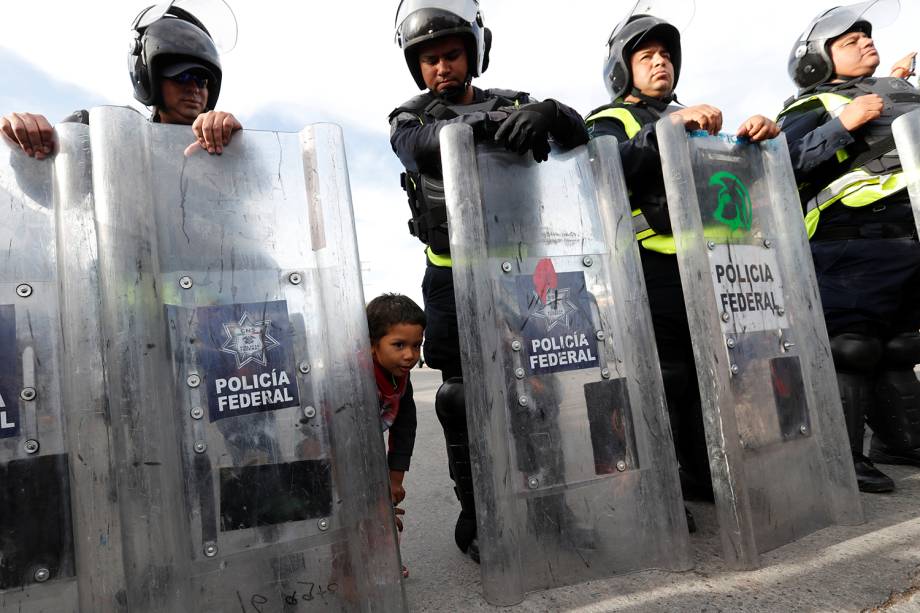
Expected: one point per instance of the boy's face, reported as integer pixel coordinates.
(398, 351)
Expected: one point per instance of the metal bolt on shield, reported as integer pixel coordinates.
(27, 393)
(522, 401)
(600, 335)
(201, 447)
(323, 524)
(42, 575)
(193, 380)
(605, 373)
(587, 261)
(533, 483)
(730, 343)
(621, 466)
(735, 370)
(516, 345)
(304, 367)
(803, 429)
(519, 373)
(710, 245)
(506, 266)
(295, 278)
(309, 412)
(197, 412)
(24, 290)
(186, 282)
(210, 549)
(31, 446)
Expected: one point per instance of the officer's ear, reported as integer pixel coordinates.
(487, 40)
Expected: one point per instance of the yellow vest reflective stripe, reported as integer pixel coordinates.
(437, 259)
(856, 188)
(624, 116)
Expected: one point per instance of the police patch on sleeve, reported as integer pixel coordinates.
(556, 328)
(247, 358)
(9, 386)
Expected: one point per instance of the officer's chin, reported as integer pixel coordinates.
(451, 94)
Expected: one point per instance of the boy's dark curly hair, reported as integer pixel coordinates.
(389, 310)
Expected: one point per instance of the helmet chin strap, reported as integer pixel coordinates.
(453, 94)
(659, 104)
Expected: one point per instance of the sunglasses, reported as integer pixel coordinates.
(188, 76)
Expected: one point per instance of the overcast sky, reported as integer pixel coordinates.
(301, 62)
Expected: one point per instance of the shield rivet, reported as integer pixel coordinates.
(31, 446)
(210, 549)
(323, 524)
(767, 243)
(27, 393)
(304, 367)
(735, 370)
(710, 245)
(726, 317)
(200, 447)
(522, 400)
(533, 483)
(197, 413)
(803, 429)
(600, 335)
(24, 290)
(309, 412)
(295, 278)
(193, 380)
(516, 345)
(605, 373)
(186, 282)
(621, 466)
(42, 575)
(506, 266)
(780, 311)
(730, 343)
(519, 373)
(787, 345)
(587, 261)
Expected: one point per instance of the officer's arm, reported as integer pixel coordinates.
(568, 129)
(814, 138)
(416, 142)
(402, 433)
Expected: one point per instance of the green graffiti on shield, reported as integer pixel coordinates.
(735, 209)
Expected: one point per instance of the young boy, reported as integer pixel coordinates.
(396, 325)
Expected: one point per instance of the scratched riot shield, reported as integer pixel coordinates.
(251, 467)
(55, 482)
(778, 450)
(573, 466)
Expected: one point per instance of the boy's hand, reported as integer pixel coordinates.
(397, 511)
(397, 491)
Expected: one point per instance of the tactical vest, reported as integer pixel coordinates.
(647, 237)
(872, 169)
(426, 192)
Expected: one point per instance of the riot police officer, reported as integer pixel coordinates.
(175, 69)
(862, 232)
(642, 69)
(446, 45)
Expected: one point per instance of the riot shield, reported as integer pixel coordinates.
(59, 528)
(778, 450)
(574, 471)
(906, 132)
(250, 463)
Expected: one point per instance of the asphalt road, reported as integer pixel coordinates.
(873, 567)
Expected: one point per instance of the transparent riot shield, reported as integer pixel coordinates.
(778, 450)
(251, 468)
(906, 131)
(55, 482)
(573, 466)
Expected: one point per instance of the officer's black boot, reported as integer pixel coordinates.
(451, 411)
(856, 395)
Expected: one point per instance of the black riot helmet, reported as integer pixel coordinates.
(174, 42)
(810, 62)
(420, 21)
(629, 34)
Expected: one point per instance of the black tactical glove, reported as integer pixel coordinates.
(528, 128)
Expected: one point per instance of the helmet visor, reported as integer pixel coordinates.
(678, 13)
(215, 15)
(879, 13)
(466, 9)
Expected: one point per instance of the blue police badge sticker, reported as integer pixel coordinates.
(247, 358)
(9, 381)
(556, 324)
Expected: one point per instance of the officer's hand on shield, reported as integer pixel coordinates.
(528, 128)
(758, 128)
(861, 111)
(397, 491)
(905, 67)
(701, 117)
(33, 133)
(214, 130)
